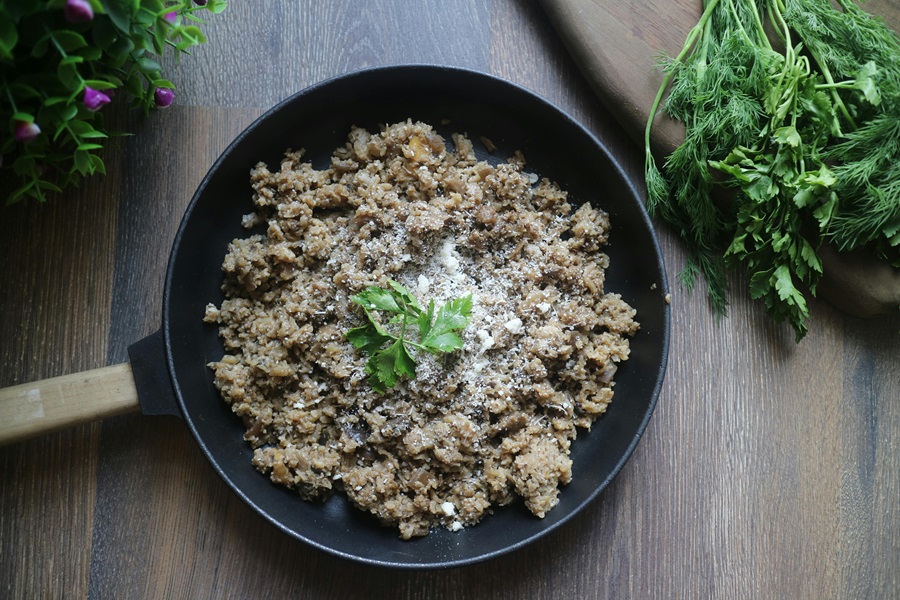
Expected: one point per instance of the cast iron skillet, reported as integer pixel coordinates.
(170, 366)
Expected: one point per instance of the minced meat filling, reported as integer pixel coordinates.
(476, 428)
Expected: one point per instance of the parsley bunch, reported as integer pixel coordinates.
(805, 127)
(61, 62)
(437, 332)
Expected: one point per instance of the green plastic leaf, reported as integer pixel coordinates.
(82, 128)
(159, 40)
(48, 185)
(68, 76)
(104, 32)
(135, 84)
(97, 164)
(91, 54)
(216, 6)
(67, 113)
(72, 60)
(120, 50)
(24, 90)
(195, 34)
(82, 162)
(9, 35)
(69, 40)
(98, 84)
(148, 65)
(121, 13)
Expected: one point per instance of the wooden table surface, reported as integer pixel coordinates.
(769, 469)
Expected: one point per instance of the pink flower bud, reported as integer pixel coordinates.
(78, 11)
(25, 131)
(94, 99)
(163, 97)
(171, 17)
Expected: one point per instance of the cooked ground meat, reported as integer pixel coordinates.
(475, 428)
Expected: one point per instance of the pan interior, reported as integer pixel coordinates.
(454, 100)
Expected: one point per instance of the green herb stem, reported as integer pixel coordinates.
(694, 33)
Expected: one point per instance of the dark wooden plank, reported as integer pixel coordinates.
(150, 469)
(56, 274)
(318, 40)
(769, 469)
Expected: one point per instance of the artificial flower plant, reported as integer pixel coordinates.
(62, 62)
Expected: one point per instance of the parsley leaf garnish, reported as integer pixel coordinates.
(438, 333)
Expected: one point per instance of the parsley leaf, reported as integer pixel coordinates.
(437, 333)
(452, 317)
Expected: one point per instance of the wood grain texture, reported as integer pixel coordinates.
(62, 402)
(769, 470)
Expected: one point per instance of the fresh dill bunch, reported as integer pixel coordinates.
(805, 131)
(716, 79)
(859, 57)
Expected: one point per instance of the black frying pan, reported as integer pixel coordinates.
(170, 366)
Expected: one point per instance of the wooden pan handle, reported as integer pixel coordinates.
(43, 406)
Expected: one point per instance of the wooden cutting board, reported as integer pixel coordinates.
(617, 44)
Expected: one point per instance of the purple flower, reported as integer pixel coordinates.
(200, 2)
(94, 99)
(171, 17)
(26, 131)
(78, 11)
(163, 97)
